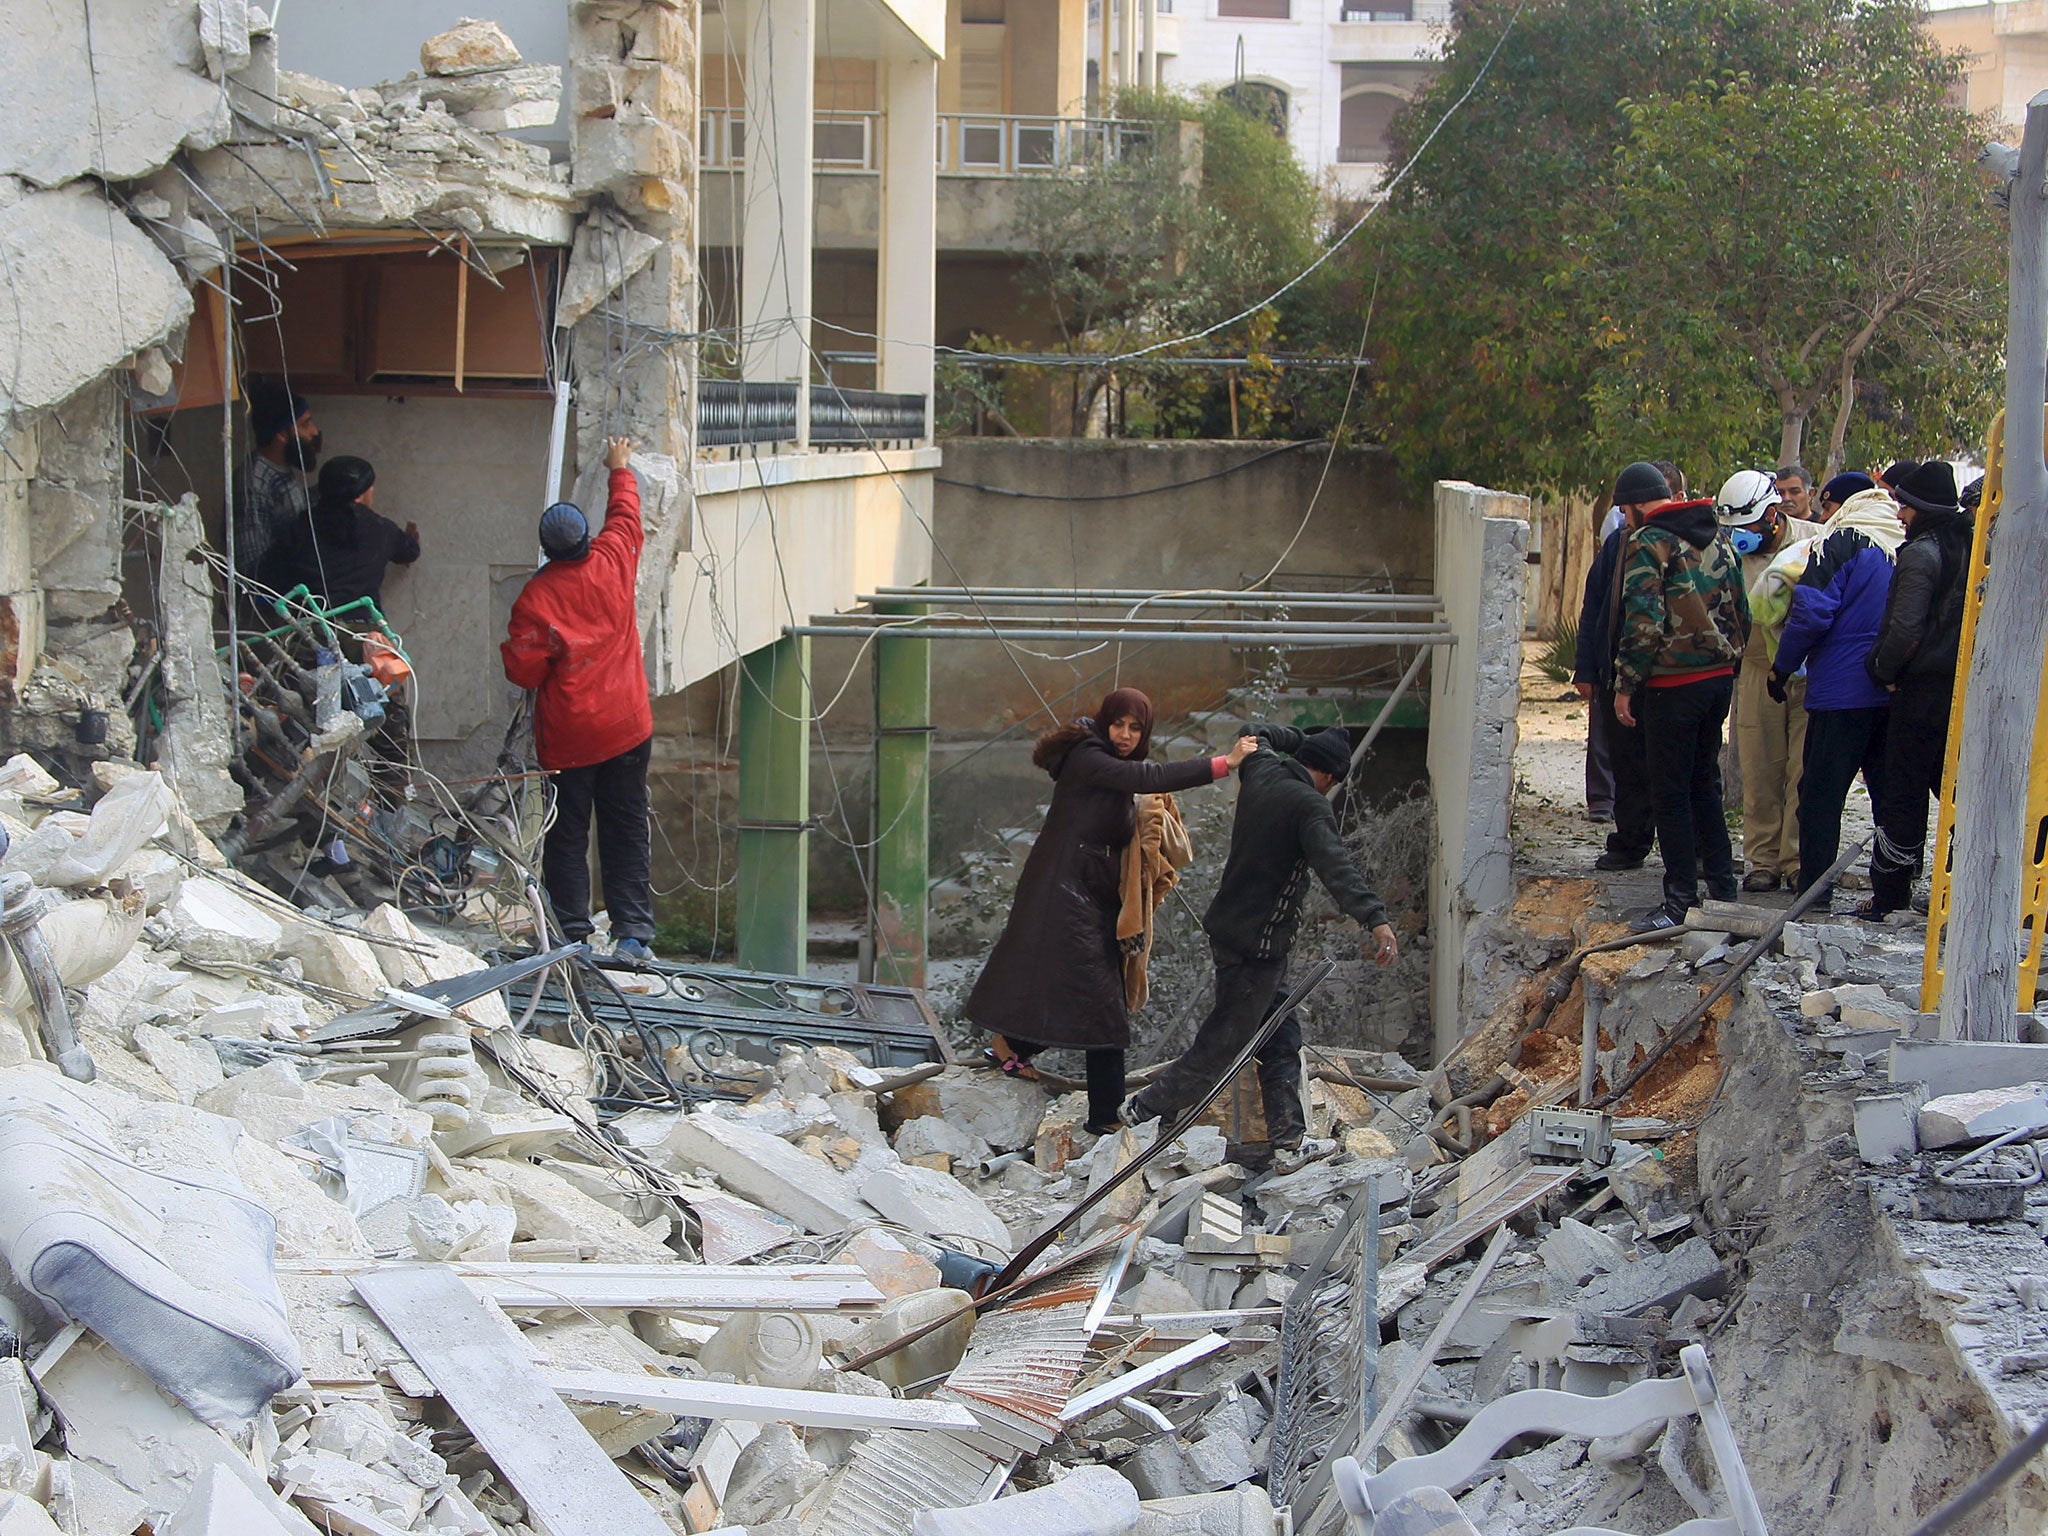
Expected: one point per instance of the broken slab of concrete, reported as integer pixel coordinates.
(937, 1206)
(116, 107)
(87, 289)
(1955, 1118)
(1964, 1066)
(768, 1171)
(1657, 1280)
(1887, 1124)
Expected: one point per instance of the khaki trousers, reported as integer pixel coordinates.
(1770, 742)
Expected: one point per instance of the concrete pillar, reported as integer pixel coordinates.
(1126, 39)
(1148, 57)
(1103, 81)
(903, 823)
(1474, 694)
(775, 806)
(907, 258)
(775, 246)
(632, 100)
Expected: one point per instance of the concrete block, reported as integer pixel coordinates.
(1883, 1014)
(1887, 1124)
(1818, 1005)
(1242, 1511)
(208, 923)
(937, 1205)
(551, 1209)
(1165, 1469)
(1320, 1183)
(932, 1133)
(1575, 1252)
(1657, 1280)
(1088, 1501)
(468, 48)
(21, 1515)
(1954, 1118)
(1964, 1066)
(768, 1171)
(771, 1475)
(1002, 1111)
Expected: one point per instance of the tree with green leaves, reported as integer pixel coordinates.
(1184, 211)
(1620, 247)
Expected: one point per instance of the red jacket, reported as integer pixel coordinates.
(574, 641)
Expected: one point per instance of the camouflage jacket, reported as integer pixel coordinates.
(1684, 607)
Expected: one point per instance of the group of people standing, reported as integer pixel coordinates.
(1060, 975)
(573, 640)
(1833, 641)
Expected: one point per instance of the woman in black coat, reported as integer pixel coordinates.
(1056, 976)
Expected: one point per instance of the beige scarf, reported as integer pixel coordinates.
(1153, 860)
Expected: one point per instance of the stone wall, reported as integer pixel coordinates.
(1474, 692)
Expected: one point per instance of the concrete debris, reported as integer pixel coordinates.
(1089, 1501)
(1956, 1118)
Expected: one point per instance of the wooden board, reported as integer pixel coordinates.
(641, 1287)
(759, 1405)
(475, 1358)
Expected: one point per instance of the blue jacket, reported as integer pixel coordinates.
(1599, 615)
(1837, 611)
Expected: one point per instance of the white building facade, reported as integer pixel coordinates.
(1334, 71)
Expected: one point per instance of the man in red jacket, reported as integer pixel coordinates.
(574, 642)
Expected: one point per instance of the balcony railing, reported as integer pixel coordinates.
(731, 414)
(1395, 10)
(840, 141)
(969, 144)
(858, 417)
(995, 144)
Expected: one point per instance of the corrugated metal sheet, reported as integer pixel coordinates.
(1016, 1377)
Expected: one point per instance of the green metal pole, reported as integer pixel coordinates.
(903, 810)
(775, 806)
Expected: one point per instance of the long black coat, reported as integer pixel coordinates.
(1055, 977)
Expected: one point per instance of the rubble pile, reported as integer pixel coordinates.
(309, 1235)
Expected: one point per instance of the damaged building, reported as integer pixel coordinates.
(341, 1198)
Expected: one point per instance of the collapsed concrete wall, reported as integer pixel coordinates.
(1474, 691)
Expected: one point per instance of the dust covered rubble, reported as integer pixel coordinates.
(241, 1175)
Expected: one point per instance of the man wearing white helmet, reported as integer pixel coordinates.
(1770, 738)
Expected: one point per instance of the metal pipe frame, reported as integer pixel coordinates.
(1120, 594)
(864, 622)
(1424, 604)
(1297, 639)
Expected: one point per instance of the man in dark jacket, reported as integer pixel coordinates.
(1915, 661)
(574, 640)
(1837, 607)
(1635, 817)
(1684, 623)
(1284, 829)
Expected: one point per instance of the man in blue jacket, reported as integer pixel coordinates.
(1837, 610)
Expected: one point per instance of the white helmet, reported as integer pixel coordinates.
(1745, 496)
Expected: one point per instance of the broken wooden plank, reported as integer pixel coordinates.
(641, 1287)
(476, 1360)
(1150, 1374)
(690, 1398)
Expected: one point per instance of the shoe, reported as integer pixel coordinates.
(1614, 861)
(1135, 1112)
(635, 950)
(1760, 880)
(1104, 1130)
(1290, 1157)
(1656, 920)
(1599, 813)
(1004, 1058)
(1871, 912)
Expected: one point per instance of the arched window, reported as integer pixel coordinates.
(1362, 126)
(1267, 103)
